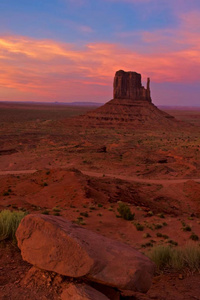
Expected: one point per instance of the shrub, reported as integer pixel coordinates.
(187, 257)
(148, 244)
(173, 243)
(6, 193)
(186, 228)
(84, 214)
(56, 214)
(194, 237)
(158, 226)
(146, 235)
(45, 212)
(125, 212)
(9, 222)
(56, 209)
(161, 215)
(139, 227)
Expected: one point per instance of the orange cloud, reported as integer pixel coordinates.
(48, 70)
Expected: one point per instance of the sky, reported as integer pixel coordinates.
(69, 50)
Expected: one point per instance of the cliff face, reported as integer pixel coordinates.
(127, 85)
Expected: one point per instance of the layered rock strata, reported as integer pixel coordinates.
(131, 106)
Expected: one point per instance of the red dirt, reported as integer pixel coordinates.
(149, 170)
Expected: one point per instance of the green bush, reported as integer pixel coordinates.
(9, 222)
(125, 212)
(166, 257)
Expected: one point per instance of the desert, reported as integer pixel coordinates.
(118, 178)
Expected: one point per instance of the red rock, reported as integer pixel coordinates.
(81, 292)
(127, 85)
(55, 244)
(131, 106)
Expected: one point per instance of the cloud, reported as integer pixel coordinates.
(50, 70)
(86, 29)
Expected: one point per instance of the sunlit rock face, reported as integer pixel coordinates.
(127, 85)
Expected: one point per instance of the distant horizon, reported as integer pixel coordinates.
(85, 103)
(71, 49)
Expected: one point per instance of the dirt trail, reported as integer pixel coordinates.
(123, 177)
(136, 179)
(17, 172)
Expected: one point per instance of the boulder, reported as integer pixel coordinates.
(55, 244)
(81, 292)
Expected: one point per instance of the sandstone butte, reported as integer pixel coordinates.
(55, 244)
(131, 106)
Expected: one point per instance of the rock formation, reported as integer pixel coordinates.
(127, 85)
(55, 244)
(131, 107)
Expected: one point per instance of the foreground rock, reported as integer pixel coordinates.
(81, 292)
(54, 244)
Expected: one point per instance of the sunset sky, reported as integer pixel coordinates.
(69, 50)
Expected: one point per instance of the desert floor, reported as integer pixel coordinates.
(51, 165)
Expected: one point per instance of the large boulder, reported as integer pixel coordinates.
(55, 244)
(81, 292)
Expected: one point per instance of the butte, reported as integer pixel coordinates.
(131, 106)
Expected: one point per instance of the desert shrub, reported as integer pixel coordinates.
(161, 215)
(84, 214)
(186, 228)
(56, 213)
(166, 257)
(9, 222)
(158, 226)
(158, 234)
(79, 221)
(56, 209)
(174, 243)
(148, 244)
(139, 227)
(146, 235)
(149, 214)
(194, 237)
(125, 212)
(164, 236)
(45, 212)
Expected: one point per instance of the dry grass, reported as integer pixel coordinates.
(9, 222)
(166, 257)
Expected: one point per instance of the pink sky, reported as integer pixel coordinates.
(44, 69)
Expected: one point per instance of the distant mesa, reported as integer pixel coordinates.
(131, 106)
